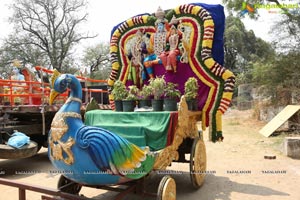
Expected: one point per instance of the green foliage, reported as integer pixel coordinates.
(119, 91)
(191, 88)
(243, 50)
(242, 47)
(145, 92)
(157, 84)
(283, 72)
(171, 91)
(285, 30)
(131, 97)
(27, 54)
(236, 6)
(276, 74)
(96, 57)
(151, 19)
(132, 93)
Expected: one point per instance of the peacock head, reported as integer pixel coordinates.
(59, 84)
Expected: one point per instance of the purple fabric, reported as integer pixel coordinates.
(184, 71)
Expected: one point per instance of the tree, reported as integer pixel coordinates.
(279, 76)
(50, 25)
(242, 47)
(27, 54)
(97, 58)
(285, 30)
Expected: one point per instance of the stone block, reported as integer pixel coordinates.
(291, 147)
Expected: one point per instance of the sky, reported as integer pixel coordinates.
(103, 16)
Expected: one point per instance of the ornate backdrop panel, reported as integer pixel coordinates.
(199, 54)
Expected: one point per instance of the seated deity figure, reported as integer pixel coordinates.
(169, 56)
(158, 42)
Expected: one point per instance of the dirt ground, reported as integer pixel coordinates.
(237, 165)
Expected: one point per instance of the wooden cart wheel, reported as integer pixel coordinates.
(66, 185)
(166, 189)
(198, 163)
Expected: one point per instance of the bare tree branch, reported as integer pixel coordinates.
(52, 25)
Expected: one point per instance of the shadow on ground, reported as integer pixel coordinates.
(25, 167)
(214, 187)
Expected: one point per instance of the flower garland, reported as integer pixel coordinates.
(219, 79)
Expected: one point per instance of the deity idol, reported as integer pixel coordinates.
(158, 42)
(17, 76)
(136, 56)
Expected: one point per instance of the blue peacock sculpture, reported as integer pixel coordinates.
(90, 155)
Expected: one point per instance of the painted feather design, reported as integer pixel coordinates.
(110, 152)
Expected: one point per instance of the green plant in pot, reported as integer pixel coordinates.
(130, 101)
(119, 93)
(157, 84)
(144, 96)
(191, 88)
(172, 94)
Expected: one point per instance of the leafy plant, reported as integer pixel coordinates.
(191, 88)
(157, 84)
(131, 97)
(132, 93)
(171, 91)
(145, 92)
(119, 91)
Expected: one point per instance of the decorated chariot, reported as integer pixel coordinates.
(110, 147)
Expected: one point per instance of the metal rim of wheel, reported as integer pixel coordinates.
(167, 189)
(72, 188)
(26, 151)
(198, 163)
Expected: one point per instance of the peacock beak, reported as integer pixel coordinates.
(53, 95)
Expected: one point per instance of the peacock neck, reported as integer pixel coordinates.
(75, 87)
(73, 103)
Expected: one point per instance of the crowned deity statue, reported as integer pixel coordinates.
(17, 76)
(164, 44)
(136, 55)
(169, 56)
(158, 42)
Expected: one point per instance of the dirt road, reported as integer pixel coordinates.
(237, 165)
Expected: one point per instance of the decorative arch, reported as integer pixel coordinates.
(205, 58)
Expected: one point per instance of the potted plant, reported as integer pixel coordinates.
(172, 94)
(144, 96)
(119, 93)
(191, 88)
(157, 84)
(130, 101)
